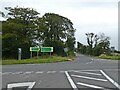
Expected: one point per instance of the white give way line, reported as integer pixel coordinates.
(88, 85)
(89, 78)
(88, 73)
(29, 84)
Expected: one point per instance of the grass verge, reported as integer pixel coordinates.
(51, 59)
(110, 57)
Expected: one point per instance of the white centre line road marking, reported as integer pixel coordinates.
(28, 72)
(17, 73)
(89, 62)
(88, 85)
(89, 78)
(51, 72)
(71, 81)
(29, 84)
(7, 73)
(88, 73)
(39, 72)
(112, 81)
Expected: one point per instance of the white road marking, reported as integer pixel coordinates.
(89, 85)
(111, 80)
(51, 72)
(89, 62)
(7, 73)
(39, 72)
(71, 81)
(28, 72)
(82, 70)
(29, 84)
(92, 59)
(17, 73)
(89, 78)
(88, 73)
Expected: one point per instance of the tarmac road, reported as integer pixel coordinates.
(83, 73)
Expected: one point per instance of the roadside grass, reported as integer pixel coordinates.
(35, 60)
(110, 57)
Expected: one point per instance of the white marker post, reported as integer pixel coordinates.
(19, 53)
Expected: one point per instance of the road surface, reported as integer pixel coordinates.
(83, 73)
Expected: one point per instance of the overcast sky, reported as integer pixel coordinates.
(97, 16)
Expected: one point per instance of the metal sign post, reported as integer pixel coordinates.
(34, 49)
(31, 55)
(19, 53)
(50, 54)
(37, 54)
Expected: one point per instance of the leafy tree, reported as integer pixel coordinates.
(24, 28)
(2, 14)
(90, 37)
(98, 44)
(81, 48)
(19, 30)
(79, 44)
(58, 32)
(70, 43)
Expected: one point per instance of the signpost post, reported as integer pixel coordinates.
(34, 49)
(47, 49)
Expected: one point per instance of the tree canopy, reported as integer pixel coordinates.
(97, 44)
(57, 32)
(25, 28)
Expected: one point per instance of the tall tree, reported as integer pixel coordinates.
(21, 27)
(90, 38)
(57, 32)
(98, 44)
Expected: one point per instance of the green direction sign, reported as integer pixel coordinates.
(36, 49)
(46, 49)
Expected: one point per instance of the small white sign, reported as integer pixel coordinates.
(66, 49)
(19, 49)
